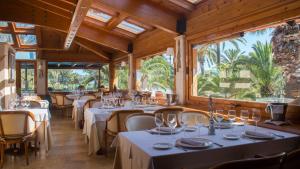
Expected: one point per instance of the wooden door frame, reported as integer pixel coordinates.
(18, 74)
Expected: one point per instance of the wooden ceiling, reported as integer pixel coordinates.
(106, 28)
(64, 24)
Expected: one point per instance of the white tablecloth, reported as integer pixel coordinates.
(77, 112)
(135, 149)
(95, 120)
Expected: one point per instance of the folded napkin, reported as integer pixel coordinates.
(258, 134)
(193, 141)
(165, 129)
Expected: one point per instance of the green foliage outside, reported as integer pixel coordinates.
(266, 78)
(156, 73)
(122, 77)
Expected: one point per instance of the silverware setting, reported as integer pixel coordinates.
(220, 145)
(278, 135)
(181, 148)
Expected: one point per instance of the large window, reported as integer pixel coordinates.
(70, 79)
(155, 73)
(257, 66)
(121, 75)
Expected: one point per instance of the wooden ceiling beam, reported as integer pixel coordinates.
(32, 15)
(144, 11)
(14, 36)
(46, 7)
(67, 56)
(104, 38)
(184, 4)
(64, 5)
(115, 21)
(78, 17)
(92, 47)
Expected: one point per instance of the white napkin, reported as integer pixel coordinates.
(258, 134)
(193, 141)
(165, 129)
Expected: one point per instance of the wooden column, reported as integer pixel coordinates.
(180, 68)
(111, 75)
(132, 72)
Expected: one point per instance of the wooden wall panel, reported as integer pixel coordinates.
(152, 42)
(215, 18)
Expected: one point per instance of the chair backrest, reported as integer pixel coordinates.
(169, 110)
(16, 124)
(139, 122)
(63, 100)
(87, 97)
(191, 117)
(116, 122)
(90, 103)
(53, 98)
(271, 162)
(35, 104)
(32, 97)
(292, 160)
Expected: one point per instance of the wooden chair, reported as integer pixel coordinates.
(169, 110)
(16, 128)
(34, 104)
(87, 97)
(292, 160)
(53, 101)
(270, 162)
(140, 122)
(63, 103)
(89, 104)
(191, 117)
(116, 123)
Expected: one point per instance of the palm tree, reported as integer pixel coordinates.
(267, 77)
(157, 73)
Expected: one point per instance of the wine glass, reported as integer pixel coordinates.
(23, 103)
(219, 117)
(245, 116)
(183, 122)
(172, 121)
(231, 115)
(159, 120)
(199, 122)
(256, 116)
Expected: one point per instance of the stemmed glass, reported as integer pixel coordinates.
(245, 116)
(183, 123)
(231, 116)
(172, 121)
(256, 116)
(199, 122)
(219, 117)
(159, 120)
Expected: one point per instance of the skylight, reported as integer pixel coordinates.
(194, 1)
(4, 37)
(131, 27)
(27, 39)
(26, 55)
(100, 16)
(3, 24)
(24, 25)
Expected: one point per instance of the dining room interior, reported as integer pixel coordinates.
(149, 84)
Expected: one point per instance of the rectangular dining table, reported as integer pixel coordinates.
(135, 149)
(95, 121)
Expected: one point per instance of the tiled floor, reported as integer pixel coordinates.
(68, 152)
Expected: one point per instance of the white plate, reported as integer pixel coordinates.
(258, 137)
(238, 123)
(162, 146)
(231, 136)
(156, 131)
(207, 143)
(190, 129)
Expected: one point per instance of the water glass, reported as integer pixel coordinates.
(231, 116)
(172, 121)
(199, 122)
(245, 116)
(219, 117)
(256, 116)
(159, 120)
(183, 123)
